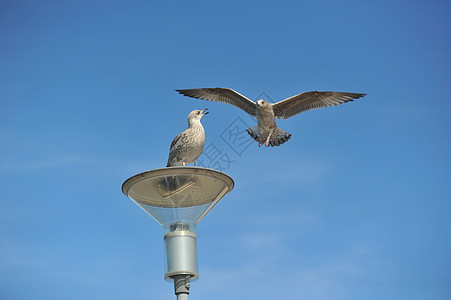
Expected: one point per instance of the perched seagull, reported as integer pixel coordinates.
(188, 145)
(267, 132)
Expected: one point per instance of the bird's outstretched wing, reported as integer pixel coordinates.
(222, 95)
(311, 100)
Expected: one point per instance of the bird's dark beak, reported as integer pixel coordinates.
(203, 112)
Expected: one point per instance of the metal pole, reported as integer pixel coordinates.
(181, 286)
(182, 296)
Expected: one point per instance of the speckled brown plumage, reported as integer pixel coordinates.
(188, 145)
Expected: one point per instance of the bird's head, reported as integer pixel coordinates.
(261, 102)
(197, 114)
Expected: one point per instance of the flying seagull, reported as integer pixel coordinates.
(267, 132)
(188, 145)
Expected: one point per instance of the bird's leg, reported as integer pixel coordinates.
(260, 142)
(267, 140)
(195, 163)
(183, 163)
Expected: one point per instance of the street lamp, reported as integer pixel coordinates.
(178, 198)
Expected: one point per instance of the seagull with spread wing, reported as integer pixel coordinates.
(267, 132)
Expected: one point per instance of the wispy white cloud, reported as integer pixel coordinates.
(270, 267)
(328, 280)
(282, 219)
(66, 161)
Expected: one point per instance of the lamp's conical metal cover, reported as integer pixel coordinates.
(178, 194)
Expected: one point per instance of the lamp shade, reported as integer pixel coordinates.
(178, 194)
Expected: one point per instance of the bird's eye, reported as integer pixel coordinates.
(198, 112)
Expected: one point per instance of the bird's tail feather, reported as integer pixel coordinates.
(254, 132)
(278, 137)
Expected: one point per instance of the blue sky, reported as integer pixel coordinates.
(355, 206)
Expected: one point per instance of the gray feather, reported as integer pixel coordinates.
(224, 95)
(311, 100)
